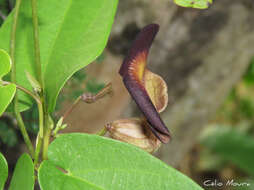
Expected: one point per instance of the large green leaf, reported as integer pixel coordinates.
(72, 34)
(103, 163)
(232, 145)
(198, 4)
(23, 176)
(6, 92)
(3, 171)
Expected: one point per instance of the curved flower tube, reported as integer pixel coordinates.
(133, 70)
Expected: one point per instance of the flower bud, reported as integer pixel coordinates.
(134, 131)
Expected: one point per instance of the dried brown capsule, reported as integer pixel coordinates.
(134, 131)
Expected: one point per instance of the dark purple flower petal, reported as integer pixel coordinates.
(132, 71)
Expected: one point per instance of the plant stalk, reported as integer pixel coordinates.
(67, 113)
(47, 134)
(13, 79)
(28, 92)
(40, 135)
(36, 42)
(37, 150)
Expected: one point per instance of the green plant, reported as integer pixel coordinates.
(67, 36)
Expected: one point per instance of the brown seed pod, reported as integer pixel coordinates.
(134, 131)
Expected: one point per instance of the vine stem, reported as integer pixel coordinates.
(71, 108)
(36, 41)
(40, 136)
(36, 98)
(47, 134)
(89, 98)
(40, 108)
(42, 117)
(13, 79)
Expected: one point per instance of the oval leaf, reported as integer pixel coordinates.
(157, 90)
(107, 164)
(6, 95)
(3, 171)
(72, 34)
(23, 176)
(6, 92)
(5, 63)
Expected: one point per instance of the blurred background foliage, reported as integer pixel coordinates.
(226, 146)
(225, 149)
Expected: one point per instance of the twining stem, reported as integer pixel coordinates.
(47, 134)
(46, 144)
(28, 92)
(36, 42)
(71, 108)
(40, 135)
(13, 79)
(38, 149)
(89, 98)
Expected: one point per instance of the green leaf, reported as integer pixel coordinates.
(52, 178)
(72, 35)
(198, 4)
(248, 77)
(5, 65)
(232, 145)
(104, 164)
(6, 95)
(6, 92)
(3, 171)
(23, 176)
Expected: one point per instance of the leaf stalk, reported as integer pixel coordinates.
(13, 79)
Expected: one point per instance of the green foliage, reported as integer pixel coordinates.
(248, 78)
(198, 4)
(244, 187)
(8, 135)
(93, 86)
(3, 171)
(31, 118)
(75, 36)
(232, 145)
(6, 92)
(5, 65)
(23, 176)
(101, 163)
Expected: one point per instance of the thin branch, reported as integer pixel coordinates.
(36, 41)
(13, 79)
(71, 108)
(89, 98)
(48, 128)
(39, 78)
(36, 98)
(40, 135)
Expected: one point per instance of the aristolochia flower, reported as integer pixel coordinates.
(148, 90)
